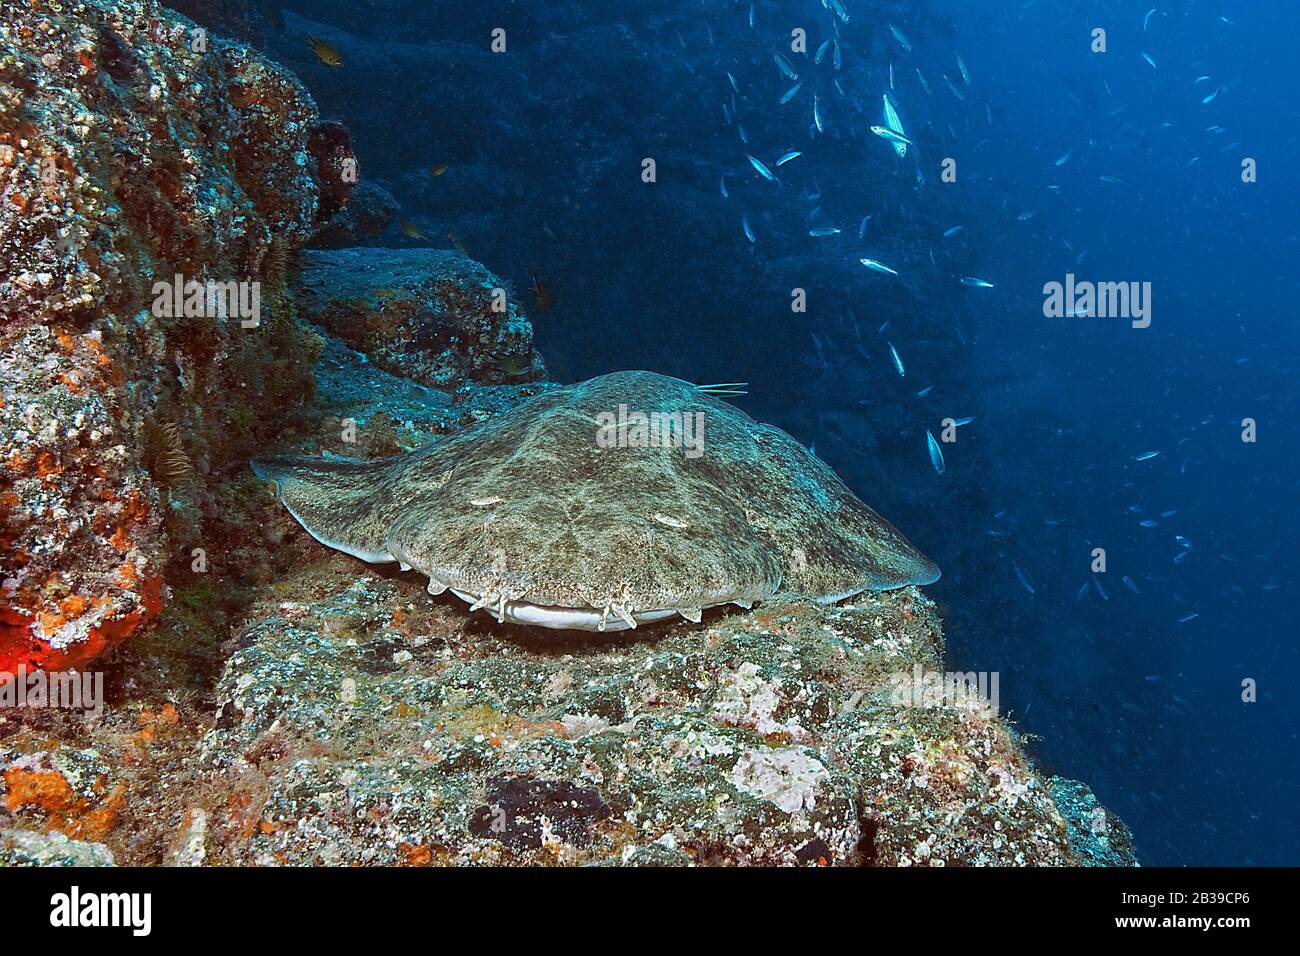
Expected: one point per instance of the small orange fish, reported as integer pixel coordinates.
(326, 52)
(439, 170)
(412, 230)
(541, 294)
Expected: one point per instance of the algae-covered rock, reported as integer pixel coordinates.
(27, 848)
(431, 315)
(67, 791)
(367, 214)
(1097, 836)
(362, 722)
(134, 148)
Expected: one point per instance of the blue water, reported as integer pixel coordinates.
(1139, 692)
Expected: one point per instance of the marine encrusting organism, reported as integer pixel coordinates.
(628, 498)
(166, 455)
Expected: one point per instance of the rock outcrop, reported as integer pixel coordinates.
(434, 316)
(368, 213)
(364, 722)
(135, 149)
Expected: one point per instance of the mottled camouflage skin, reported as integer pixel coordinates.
(529, 507)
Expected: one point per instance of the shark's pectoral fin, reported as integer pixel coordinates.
(342, 503)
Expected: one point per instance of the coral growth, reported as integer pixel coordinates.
(134, 148)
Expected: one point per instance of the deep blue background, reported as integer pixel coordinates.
(545, 145)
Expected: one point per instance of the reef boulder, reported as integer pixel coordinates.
(434, 316)
(368, 212)
(134, 148)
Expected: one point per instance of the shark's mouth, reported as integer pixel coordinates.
(569, 618)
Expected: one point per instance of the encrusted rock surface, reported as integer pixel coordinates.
(123, 786)
(367, 214)
(28, 848)
(1097, 836)
(432, 315)
(132, 149)
(362, 722)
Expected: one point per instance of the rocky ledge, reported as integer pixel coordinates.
(369, 724)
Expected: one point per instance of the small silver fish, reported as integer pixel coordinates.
(936, 454)
(897, 360)
(976, 282)
(890, 135)
(965, 73)
(903, 41)
(785, 66)
(761, 168)
(878, 267)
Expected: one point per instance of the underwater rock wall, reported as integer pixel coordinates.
(134, 148)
